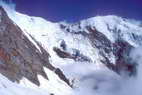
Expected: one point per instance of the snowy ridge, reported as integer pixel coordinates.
(110, 26)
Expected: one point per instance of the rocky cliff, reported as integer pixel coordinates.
(19, 57)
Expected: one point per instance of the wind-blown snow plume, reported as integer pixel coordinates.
(8, 5)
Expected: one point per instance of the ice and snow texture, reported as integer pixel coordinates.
(9, 88)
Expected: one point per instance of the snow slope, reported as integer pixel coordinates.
(9, 88)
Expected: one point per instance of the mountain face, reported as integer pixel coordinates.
(115, 55)
(19, 56)
(58, 58)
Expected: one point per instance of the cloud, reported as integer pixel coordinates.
(106, 82)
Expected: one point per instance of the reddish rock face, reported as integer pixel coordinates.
(4, 56)
(19, 56)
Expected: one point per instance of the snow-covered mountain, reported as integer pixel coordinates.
(91, 57)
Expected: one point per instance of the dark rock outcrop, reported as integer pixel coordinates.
(120, 49)
(19, 57)
(77, 56)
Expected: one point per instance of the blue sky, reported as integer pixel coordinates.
(75, 10)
